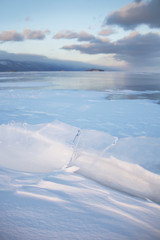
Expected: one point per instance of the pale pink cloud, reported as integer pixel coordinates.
(35, 35)
(81, 36)
(106, 32)
(27, 19)
(11, 35)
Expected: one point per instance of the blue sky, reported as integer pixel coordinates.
(117, 33)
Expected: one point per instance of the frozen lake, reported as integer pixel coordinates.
(102, 101)
(101, 125)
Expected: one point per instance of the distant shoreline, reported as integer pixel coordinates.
(95, 70)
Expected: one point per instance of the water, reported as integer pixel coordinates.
(118, 115)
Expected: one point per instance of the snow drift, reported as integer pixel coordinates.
(96, 155)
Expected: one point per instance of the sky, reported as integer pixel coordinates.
(119, 33)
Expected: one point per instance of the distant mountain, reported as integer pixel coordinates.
(28, 62)
(19, 66)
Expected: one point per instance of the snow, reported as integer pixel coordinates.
(53, 146)
(78, 164)
(64, 205)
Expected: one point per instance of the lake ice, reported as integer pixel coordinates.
(113, 166)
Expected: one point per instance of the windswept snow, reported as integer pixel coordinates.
(50, 147)
(64, 205)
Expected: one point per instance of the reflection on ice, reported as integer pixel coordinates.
(98, 81)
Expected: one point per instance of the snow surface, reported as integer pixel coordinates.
(98, 155)
(64, 205)
(78, 164)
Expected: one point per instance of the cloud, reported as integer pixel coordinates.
(27, 19)
(137, 13)
(106, 32)
(23, 57)
(40, 61)
(136, 49)
(12, 35)
(35, 35)
(97, 46)
(66, 35)
(139, 49)
(82, 36)
(138, 1)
